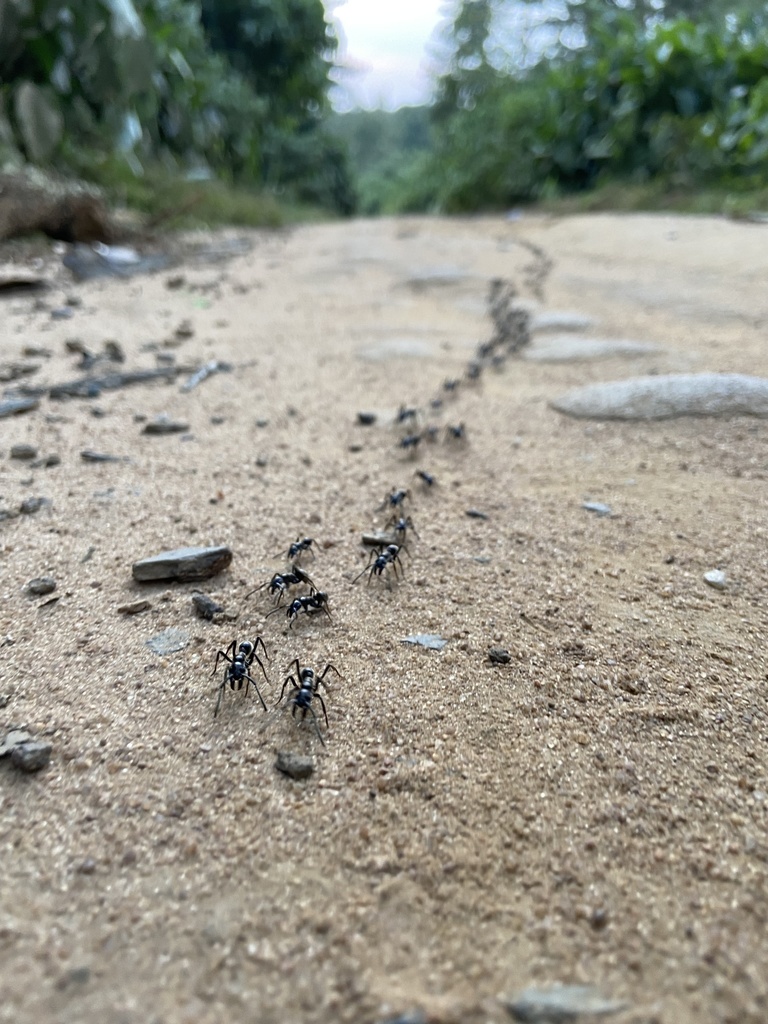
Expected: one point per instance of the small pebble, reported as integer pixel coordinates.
(62, 313)
(499, 656)
(716, 578)
(366, 419)
(184, 330)
(31, 505)
(297, 766)
(134, 608)
(41, 585)
(12, 739)
(13, 406)
(163, 425)
(597, 507)
(51, 460)
(23, 452)
(475, 513)
(31, 756)
(205, 607)
(90, 456)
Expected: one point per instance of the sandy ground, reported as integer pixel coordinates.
(594, 811)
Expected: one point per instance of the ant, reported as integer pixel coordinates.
(399, 526)
(394, 499)
(411, 441)
(474, 369)
(317, 602)
(281, 581)
(426, 478)
(238, 671)
(298, 547)
(306, 686)
(451, 384)
(390, 555)
(457, 433)
(406, 413)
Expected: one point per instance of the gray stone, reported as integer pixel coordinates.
(205, 607)
(499, 656)
(31, 756)
(41, 585)
(31, 505)
(163, 425)
(561, 320)
(565, 348)
(560, 1003)
(24, 452)
(716, 578)
(169, 641)
(12, 739)
(87, 455)
(663, 397)
(366, 419)
(134, 607)
(433, 641)
(183, 564)
(298, 766)
(13, 406)
(597, 507)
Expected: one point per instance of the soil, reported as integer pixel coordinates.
(593, 811)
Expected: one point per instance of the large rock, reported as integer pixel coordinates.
(664, 397)
(183, 564)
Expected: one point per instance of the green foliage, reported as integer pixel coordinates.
(682, 102)
(386, 152)
(149, 82)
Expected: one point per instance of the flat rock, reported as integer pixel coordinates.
(183, 564)
(561, 320)
(23, 452)
(568, 348)
(31, 756)
(134, 607)
(297, 766)
(169, 641)
(499, 656)
(432, 641)
(13, 406)
(163, 425)
(560, 1003)
(664, 397)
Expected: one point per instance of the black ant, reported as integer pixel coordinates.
(406, 413)
(456, 433)
(298, 547)
(474, 369)
(317, 602)
(411, 441)
(238, 671)
(390, 555)
(426, 478)
(394, 499)
(281, 581)
(399, 525)
(450, 385)
(306, 686)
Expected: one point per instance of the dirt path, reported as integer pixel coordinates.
(594, 811)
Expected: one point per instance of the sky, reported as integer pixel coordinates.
(383, 51)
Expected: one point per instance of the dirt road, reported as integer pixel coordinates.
(593, 811)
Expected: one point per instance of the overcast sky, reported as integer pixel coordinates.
(383, 51)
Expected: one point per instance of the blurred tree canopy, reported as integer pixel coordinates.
(651, 89)
(234, 88)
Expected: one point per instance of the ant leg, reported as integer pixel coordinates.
(221, 654)
(321, 677)
(314, 720)
(322, 705)
(258, 692)
(289, 679)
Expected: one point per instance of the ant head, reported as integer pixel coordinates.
(246, 647)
